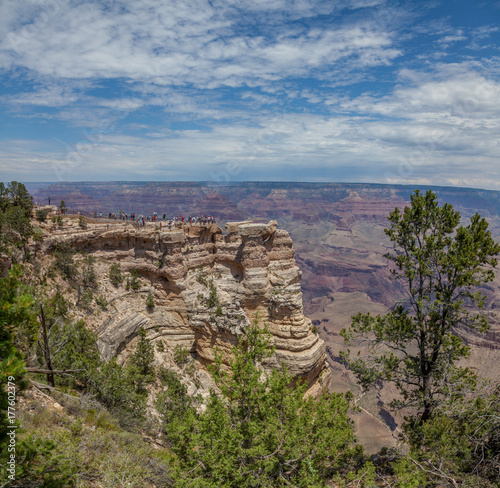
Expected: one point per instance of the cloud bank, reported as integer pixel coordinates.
(367, 90)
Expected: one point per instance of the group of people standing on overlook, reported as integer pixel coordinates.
(173, 221)
(141, 219)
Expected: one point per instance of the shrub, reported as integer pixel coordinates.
(269, 433)
(115, 274)
(135, 284)
(201, 277)
(174, 402)
(82, 222)
(41, 215)
(140, 364)
(37, 234)
(150, 301)
(64, 261)
(89, 276)
(101, 301)
(115, 387)
(181, 354)
(86, 299)
(213, 299)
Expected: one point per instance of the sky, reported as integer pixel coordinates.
(379, 91)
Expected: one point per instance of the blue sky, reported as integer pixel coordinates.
(283, 90)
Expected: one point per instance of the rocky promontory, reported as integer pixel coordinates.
(207, 287)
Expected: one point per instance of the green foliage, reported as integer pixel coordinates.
(59, 221)
(143, 356)
(440, 263)
(38, 464)
(408, 474)
(174, 402)
(101, 301)
(141, 362)
(89, 276)
(261, 431)
(73, 347)
(150, 301)
(62, 207)
(41, 215)
(15, 212)
(181, 354)
(116, 388)
(64, 263)
(218, 311)
(460, 443)
(76, 350)
(115, 274)
(91, 450)
(87, 283)
(82, 222)
(15, 194)
(37, 234)
(201, 276)
(314, 329)
(15, 304)
(135, 284)
(85, 299)
(213, 299)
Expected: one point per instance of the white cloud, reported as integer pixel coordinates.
(275, 90)
(52, 96)
(181, 43)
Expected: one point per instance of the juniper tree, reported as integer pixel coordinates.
(260, 431)
(140, 364)
(441, 264)
(15, 304)
(115, 274)
(15, 209)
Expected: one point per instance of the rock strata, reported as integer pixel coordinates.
(207, 287)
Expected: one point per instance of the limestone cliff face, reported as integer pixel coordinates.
(208, 287)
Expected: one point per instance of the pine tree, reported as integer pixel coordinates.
(141, 361)
(440, 264)
(15, 304)
(150, 301)
(260, 431)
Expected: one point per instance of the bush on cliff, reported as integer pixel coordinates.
(115, 274)
(261, 431)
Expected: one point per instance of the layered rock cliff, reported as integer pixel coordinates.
(207, 288)
(338, 233)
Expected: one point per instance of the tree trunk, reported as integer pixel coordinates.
(428, 408)
(46, 348)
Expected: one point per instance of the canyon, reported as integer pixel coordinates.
(338, 235)
(206, 287)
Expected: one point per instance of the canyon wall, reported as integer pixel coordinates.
(338, 235)
(207, 288)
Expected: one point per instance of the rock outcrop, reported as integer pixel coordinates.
(207, 287)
